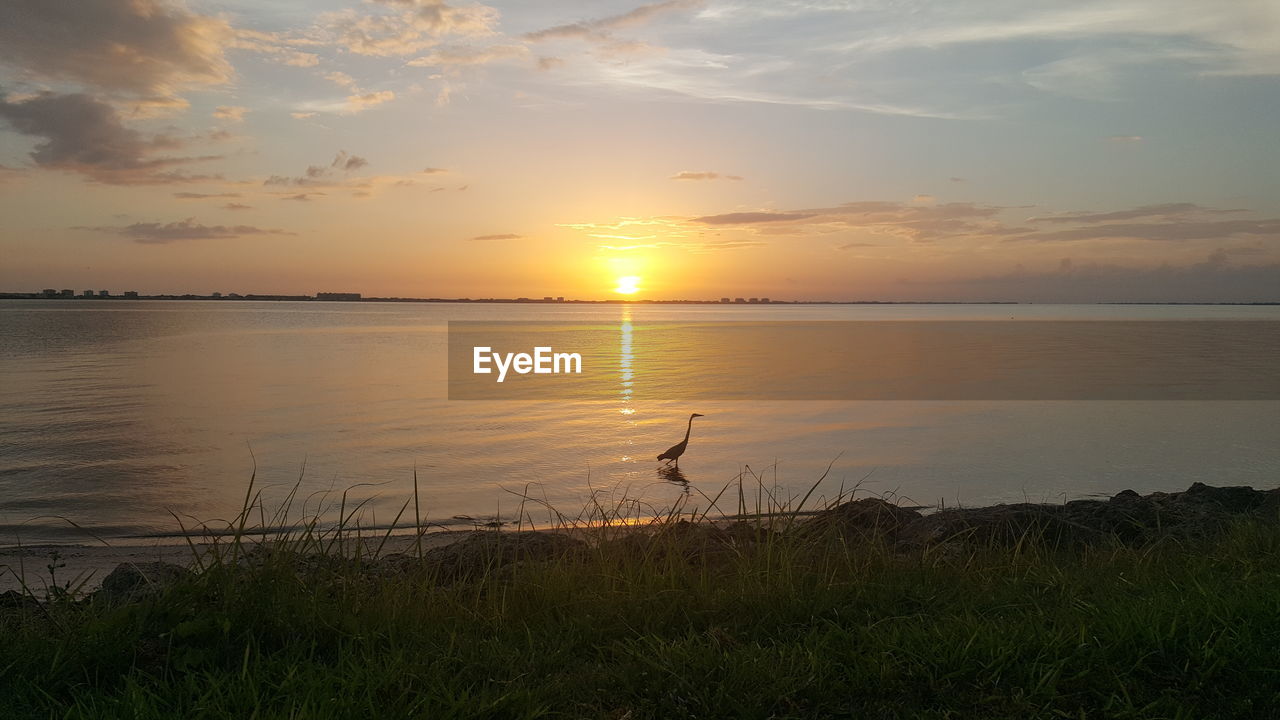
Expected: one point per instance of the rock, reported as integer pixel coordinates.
(869, 518)
(482, 551)
(14, 600)
(1127, 516)
(998, 525)
(1235, 500)
(130, 581)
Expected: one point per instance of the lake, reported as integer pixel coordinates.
(118, 415)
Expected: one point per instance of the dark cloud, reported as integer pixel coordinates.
(237, 206)
(139, 47)
(203, 196)
(750, 218)
(1162, 210)
(302, 197)
(434, 171)
(692, 175)
(1211, 281)
(189, 229)
(500, 236)
(601, 28)
(289, 181)
(916, 223)
(345, 162)
(85, 135)
(1170, 231)
(321, 175)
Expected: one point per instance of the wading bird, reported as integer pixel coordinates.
(675, 451)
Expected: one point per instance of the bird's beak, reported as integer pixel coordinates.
(698, 415)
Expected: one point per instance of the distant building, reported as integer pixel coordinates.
(68, 293)
(546, 298)
(338, 297)
(754, 300)
(215, 295)
(739, 300)
(49, 292)
(87, 293)
(724, 300)
(559, 298)
(764, 300)
(131, 294)
(103, 293)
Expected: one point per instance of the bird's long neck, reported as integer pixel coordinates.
(688, 430)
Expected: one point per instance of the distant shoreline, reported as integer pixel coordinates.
(610, 301)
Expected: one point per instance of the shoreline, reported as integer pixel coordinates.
(1136, 606)
(1126, 516)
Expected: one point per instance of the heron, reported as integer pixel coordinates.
(675, 451)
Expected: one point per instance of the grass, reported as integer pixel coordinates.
(648, 629)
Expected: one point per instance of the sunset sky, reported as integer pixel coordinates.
(797, 149)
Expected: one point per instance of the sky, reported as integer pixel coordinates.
(1082, 151)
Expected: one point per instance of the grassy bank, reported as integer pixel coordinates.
(679, 622)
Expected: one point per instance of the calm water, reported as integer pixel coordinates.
(114, 414)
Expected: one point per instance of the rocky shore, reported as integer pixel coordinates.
(1127, 518)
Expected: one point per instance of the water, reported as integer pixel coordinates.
(121, 415)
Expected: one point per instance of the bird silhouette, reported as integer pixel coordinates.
(675, 451)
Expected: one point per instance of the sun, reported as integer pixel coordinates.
(628, 285)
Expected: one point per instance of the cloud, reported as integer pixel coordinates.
(601, 28)
(322, 175)
(1230, 38)
(302, 115)
(749, 218)
(278, 46)
(303, 197)
(189, 229)
(1213, 280)
(363, 101)
(347, 163)
(237, 206)
(234, 113)
(291, 181)
(691, 175)
(549, 63)
(917, 222)
(84, 135)
(500, 236)
(456, 56)
(203, 196)
(138, 47)
(340, 79)
(402, 27)
(1162, 210)
(1125, 138)
(1177, 230)
(434, 171)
